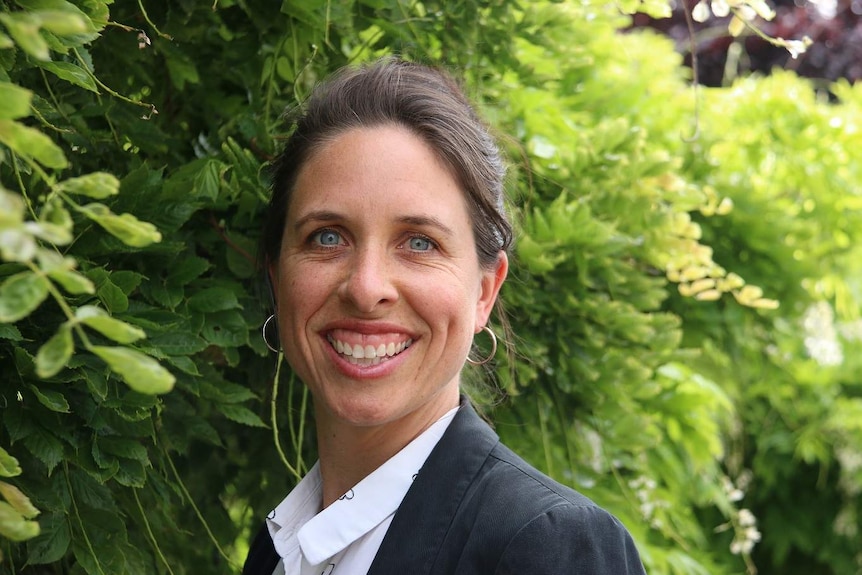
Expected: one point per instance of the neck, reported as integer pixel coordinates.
(349, 453)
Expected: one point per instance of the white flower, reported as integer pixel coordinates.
(746, 518)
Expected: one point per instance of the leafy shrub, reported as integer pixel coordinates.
(145, 427)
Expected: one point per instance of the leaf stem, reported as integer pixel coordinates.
(78, 517)
(274, 417)
(150, 532)
(197, 511)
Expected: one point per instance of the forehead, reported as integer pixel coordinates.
(379, 168)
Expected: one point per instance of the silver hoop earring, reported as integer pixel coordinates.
(491, 355)
(263, 333)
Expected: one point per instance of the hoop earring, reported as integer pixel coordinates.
(263, 333)
(491, 355)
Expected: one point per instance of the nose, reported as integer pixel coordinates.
(369, 283)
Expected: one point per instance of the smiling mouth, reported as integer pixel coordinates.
(366, 355)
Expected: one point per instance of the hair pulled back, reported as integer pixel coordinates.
(426, 101)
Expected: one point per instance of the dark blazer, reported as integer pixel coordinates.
(476, 508)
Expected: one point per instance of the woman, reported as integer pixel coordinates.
(386, 247)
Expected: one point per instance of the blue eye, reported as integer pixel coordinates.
(327, 238)
(420, 244)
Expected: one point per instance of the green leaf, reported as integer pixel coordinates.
(31, 143)
(10, 332)
(14, 526)
(125, 227)
(241, 414)
(90, 492)
(55, 353)
(21, 294)
(64, 20)
(110, 327)
(214, 299)
(53, 400)
(73, 282)
(24, 29)
(20, 502)
(9, 466)
(14, 101)
(140, 372)
(45, 447)
(127, 448)
(98, 185)
(52, 543)
(114, 298)
(71, 73)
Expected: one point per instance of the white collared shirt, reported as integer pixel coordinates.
(345, 536)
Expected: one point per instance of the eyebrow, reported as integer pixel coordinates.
(317, 216)
(414, 220)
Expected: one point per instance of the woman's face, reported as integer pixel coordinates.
(378, 285)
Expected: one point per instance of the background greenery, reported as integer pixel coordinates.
(685, 289)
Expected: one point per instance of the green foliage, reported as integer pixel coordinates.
(684, 294)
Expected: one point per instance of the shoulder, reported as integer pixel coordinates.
(540, 526)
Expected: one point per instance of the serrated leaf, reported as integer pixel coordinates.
(10, 332)
(141, 372)
(52, 543)
(45, 447)
(31, 143)
(14, 101)
(53, 400)
(71, 73)
(214, 299)
(21, 294)
(241, 414)
(122, 447)
(20, 502)
(131, 474)
(90, 492)
(9, 466)
(14, 526)
(114, 298)
(110, 327)
(125, 227)
(55, 353)
(98, 185)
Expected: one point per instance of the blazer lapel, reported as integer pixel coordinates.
(418, 530)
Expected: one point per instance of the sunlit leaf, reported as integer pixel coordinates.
(16, 498)
(24, 29)
(140, 372)
(125, 227)
(110, 327)
(31, 143)
(14, 526)
(55, 353)
(9, 466)
(72, 74)
(21, 294)
(14, 101)
(98, 185)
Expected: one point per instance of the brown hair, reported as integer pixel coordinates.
(429, 103)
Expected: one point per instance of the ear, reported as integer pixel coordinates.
(492, 281)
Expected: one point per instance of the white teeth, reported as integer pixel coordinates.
(368, 354)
